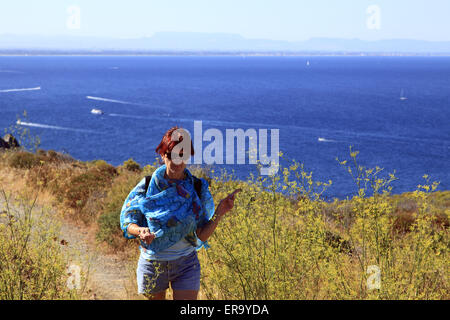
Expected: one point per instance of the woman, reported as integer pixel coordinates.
(173, 219)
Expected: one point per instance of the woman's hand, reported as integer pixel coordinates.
(145, 235)
(224, 206)
(227, 203)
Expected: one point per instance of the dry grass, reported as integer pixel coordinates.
(273, 245)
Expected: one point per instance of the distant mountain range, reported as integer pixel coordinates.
(217, 42)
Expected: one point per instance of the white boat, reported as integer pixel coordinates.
(402, 96)
(307, 63)
(97, 111)
(325, 140)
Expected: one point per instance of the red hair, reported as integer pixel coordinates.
(167, 144)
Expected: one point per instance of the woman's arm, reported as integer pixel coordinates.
(207, 230)
(142, 233)
(224, 206)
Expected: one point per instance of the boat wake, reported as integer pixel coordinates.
(112, 100)
(142, 117)
(325, 140)
(348, 137)
(46, 126)
(10, 71)
(23, 89)
(124, 102)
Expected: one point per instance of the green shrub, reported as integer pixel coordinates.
(32, 264)
(23, 160)
(41, 176)
(108, 223)
(290, 245)
(148, 170)
(85, 191)
(274, 247)
(105, 168)
(109, 228)
(52, 154)
(132, 165)
(54, 157)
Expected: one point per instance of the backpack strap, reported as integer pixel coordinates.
(197, 185)
(147, 182)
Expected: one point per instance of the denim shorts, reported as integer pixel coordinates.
(182, 273)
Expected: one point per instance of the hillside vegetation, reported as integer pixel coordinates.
(273, 245)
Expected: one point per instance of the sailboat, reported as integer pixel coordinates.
(402, 96)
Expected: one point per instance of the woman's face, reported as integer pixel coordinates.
(173, 170)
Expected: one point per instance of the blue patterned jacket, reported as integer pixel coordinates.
(171, 210)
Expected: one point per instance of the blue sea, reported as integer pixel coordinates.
(321, 106)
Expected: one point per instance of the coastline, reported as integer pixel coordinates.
(15, 53)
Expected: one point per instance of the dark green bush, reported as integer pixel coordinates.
(52, 154)
(132, 165)
(109, 228)
(80, 187)
(23, 160)
(84, 192)
(105, 168)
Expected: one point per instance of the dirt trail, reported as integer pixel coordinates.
(109, 276)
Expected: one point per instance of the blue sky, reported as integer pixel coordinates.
(292, 20)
